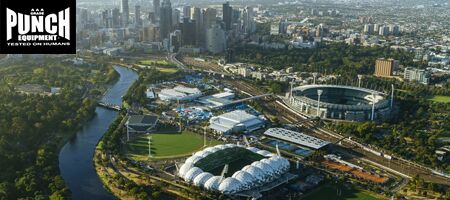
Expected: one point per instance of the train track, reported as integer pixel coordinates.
(403, 167)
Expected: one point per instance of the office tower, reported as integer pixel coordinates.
(215, 39)
(156, 7)
(227, 12)
(209, 17)
(187, 32)
(186, 11)
(368, 28)
(175, 17)
(125, 12)
(116, 18)
(137, 16)
(165, 19)
(385, 67)
(197, 16)
(248, 24)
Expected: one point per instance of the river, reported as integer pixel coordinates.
(75, 158)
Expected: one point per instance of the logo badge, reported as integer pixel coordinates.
(37, 27)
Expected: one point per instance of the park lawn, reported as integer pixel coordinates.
(440, 99)
(168, 70)
(155, 62)
(329, 192)
(166, 145)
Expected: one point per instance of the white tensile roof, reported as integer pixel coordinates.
(258, 173)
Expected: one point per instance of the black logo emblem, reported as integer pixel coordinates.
(37, 27)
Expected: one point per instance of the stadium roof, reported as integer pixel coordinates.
(296, 137)
(251, 176)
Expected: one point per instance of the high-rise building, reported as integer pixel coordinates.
(215, 39)
(248, 24)
(125, 12)
(187, 32)
(385, 67)
(418, 75)
(175, 17)
(115, 18)
(394, 29)
(137, 16)
(368, 28)
(187, 11)
(384, 31)
(319, 30)
(376, 28)
(156, 7)
(197, 16)
(227, 12)
(209, 17)
(150, 34)
(165, 19)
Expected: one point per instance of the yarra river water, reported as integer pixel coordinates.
(75, 158)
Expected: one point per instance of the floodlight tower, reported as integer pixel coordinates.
(319, 93)
(149, 146)
(292, 86)
(392, 96)
(204, 136)
(360, 77)
(315, 74)
(373, 107)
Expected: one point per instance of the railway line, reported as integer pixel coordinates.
(348, 147)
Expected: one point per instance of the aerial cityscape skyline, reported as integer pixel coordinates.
(262, 99)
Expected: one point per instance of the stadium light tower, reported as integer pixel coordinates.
(392, 96)
(319, 92)
(315, 74)
(204, 136)
(359, 79)
(149, 146)
(373, 107)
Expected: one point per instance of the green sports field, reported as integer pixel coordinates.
(440, 99)
(329, 192)
(166, 145)
(236, 158)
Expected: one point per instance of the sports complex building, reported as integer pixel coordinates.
(340, 102)
(231, 169)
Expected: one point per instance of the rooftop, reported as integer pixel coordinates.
(296, 137)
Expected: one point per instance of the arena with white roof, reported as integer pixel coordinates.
(235, 121)
(256, 174)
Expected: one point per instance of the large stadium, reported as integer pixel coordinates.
(340, 102)
(232, 168)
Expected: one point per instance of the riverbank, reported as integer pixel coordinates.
(75, 158)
